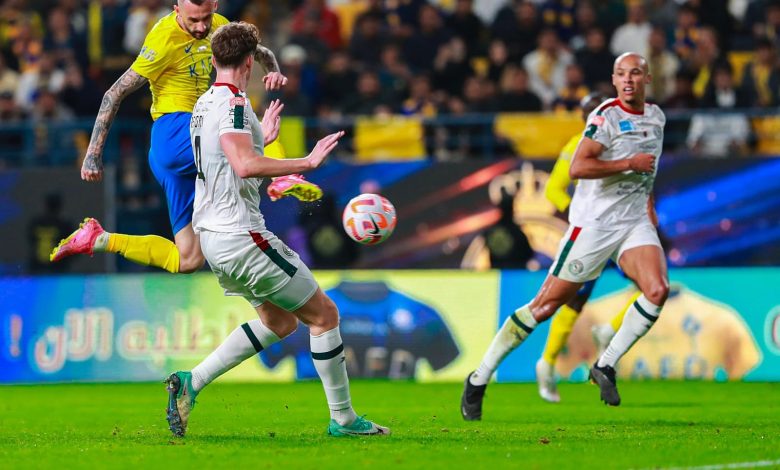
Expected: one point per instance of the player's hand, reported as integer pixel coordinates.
(274, 81)
(92, 168)
(271, 121)
(323, 148)
(642, 163)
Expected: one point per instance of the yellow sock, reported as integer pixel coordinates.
(149, 250)
(617, 320)
(560, 328)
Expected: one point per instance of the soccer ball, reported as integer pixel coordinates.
(369, 219)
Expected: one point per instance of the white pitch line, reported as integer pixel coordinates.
(756, 464)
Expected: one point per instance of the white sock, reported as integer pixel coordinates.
(243, 343)
(327, 350)
(639, 318)
(515, 329)
(101, 242)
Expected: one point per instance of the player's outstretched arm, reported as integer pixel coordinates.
(586, 163)
(271, 121)
(273, 79)
(92, 168)
(246, 163)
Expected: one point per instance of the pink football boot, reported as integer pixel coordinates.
(295, 186)
(82, 241)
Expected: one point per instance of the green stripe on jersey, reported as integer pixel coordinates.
(238, 117)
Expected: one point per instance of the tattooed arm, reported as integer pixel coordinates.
(92, 168)
(273, 79)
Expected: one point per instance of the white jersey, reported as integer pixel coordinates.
(224, 202)
(620, 200)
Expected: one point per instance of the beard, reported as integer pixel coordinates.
(199, 35)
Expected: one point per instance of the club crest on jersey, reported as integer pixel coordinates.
(576, 266)
(238, 101)
(597, 120)
(626, 126)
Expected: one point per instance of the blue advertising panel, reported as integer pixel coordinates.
(718, 324)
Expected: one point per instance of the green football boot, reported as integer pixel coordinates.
(181, 400)
(359, 427)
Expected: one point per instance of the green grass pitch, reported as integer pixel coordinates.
(659, 424)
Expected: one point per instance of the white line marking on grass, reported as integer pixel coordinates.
(756, 464)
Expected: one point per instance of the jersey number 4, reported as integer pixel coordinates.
(201, 176)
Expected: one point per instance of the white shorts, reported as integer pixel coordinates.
(584, 251)
(259, 267)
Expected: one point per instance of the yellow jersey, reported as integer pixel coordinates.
(557, 188)
(177, 65)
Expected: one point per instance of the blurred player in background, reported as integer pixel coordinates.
(248, 260)
(557, 192)
(616, 164)
(176, 62)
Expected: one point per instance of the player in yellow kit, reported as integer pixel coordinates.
(176, 62)
(557, 192)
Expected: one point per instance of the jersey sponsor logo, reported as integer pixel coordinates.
(200, 69)
(626, 126)
(238, 101)
(576, 266)
(148, 53)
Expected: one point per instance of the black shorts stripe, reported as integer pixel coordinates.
(328, 355)
(252, 338)
(644, 313)
(522, 325)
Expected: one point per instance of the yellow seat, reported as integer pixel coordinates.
(538, 135)
(390, 138)
(767, 131)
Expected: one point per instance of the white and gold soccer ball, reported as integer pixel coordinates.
(369, 219)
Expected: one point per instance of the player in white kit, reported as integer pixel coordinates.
(615, 164)
(249, 261)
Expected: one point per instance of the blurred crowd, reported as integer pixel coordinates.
(417, 57)
(414, 57)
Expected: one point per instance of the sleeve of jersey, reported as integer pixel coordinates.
(598, 129)
(234, 116)
(154, 55)
(219, 20)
